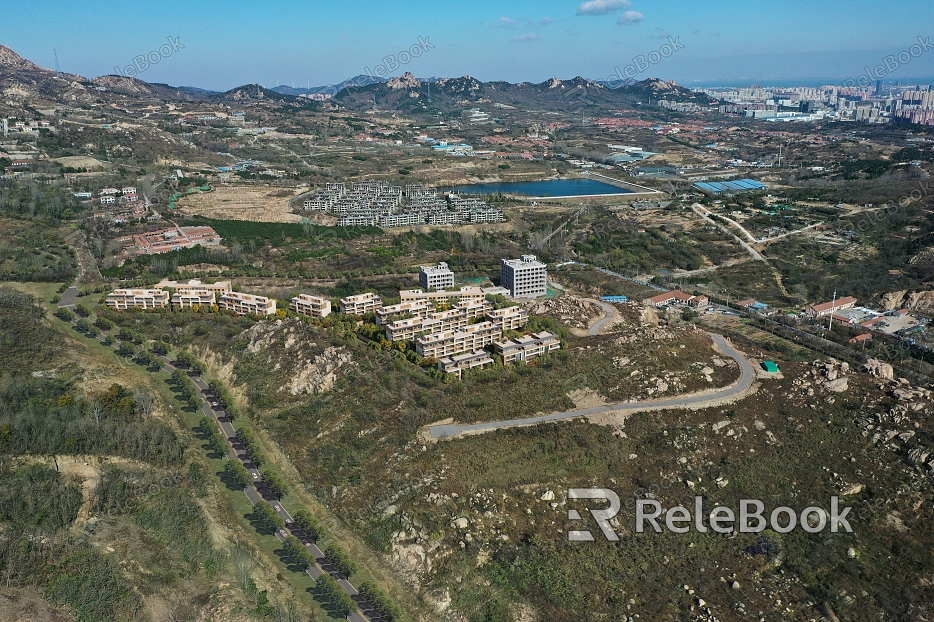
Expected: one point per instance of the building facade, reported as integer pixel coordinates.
(435, 277)
(312, 306)
(472, 338)
(464, 294)
(525, 277)
(469, 360)
(527, 347)
(360, 304)
(193, 297)
(138, 299)
(509, 318)
(246, 304)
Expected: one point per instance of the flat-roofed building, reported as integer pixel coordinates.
(527, 347)
(312, 306)
(457, 364)
(474, 310)
(388, 314)
(509, 318)
(192, 297)
(448, 343)
(247, 304)
(220, 288)
(435, 277)
(525, 277)
(464, 294)
(409, 329)
(138, 299)
(360, 304)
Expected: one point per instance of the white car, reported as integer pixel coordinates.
(256, 476)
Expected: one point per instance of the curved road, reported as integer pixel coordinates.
(609, 317)
(696, 400)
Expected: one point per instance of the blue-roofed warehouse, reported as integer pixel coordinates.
(730, 187)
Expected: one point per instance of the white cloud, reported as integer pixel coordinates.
(630, 17)
(526, 38)
(602, 7)
(545, 21)
(505, 22)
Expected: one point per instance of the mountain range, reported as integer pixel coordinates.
(21, 79)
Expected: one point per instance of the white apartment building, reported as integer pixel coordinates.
(245, 304)
(312, 306)
(360, 304)
(464, 294)
(137, 299)
(419, 309)
(472, 338)
(220, 288)
(469, 360)
(525, 277)
(191, 297)
(527, 347)
(435, 277)
(509, 318)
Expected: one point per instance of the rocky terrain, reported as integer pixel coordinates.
(913, 301)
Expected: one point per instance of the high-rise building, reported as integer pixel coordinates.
(525, 277)
(435, 277)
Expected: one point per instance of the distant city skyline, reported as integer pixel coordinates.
(237, 43)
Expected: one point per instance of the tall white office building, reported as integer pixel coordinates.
(435, 277)
(526, 277)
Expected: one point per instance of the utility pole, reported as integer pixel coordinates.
(779, 156)
(833, 305)
(58, 69)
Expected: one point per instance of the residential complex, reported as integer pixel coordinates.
(509, 318)
(246, 304)
(193, 297)
(138, 299)
(219, 288)
(458, 363)
(526, 277)
(312, 306)
(467, 293)
(360, 304)
(417, 309)
(378, 203)
(435, 277)
(473, 337)
(527, 347)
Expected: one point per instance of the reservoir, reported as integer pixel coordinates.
(545, 188)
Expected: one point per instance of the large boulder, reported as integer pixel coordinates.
(878, 369)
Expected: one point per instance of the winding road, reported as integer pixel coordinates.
(696, 400)
(609, 317)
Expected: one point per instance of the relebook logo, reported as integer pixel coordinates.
(649, 514)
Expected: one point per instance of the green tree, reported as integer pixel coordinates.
(267, 518)
(237, 475)
(275, 482)
(309, 524)
(341, 560)
(339, 603)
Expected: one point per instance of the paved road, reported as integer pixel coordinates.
(609, 317)
(259, 491)
(747, 376)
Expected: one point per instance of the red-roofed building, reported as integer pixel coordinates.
(861, 338)
(676, 297)
(826, 308)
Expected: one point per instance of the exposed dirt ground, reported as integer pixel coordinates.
(256, 204)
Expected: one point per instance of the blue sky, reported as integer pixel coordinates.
(230, 43)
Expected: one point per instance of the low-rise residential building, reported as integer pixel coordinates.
(220, 288)
(525, 277)
(509, 318)
(830, 307)
(138, 299)
(676, 297)
(312, 306)
(360, 304)
(247, 304)
(457, 364)
(448, 343)
(409, 329)
(527, 347)
(435, 277)
(464, 294)
(390, 313)
(193, 297)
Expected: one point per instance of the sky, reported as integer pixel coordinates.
(221, 45)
